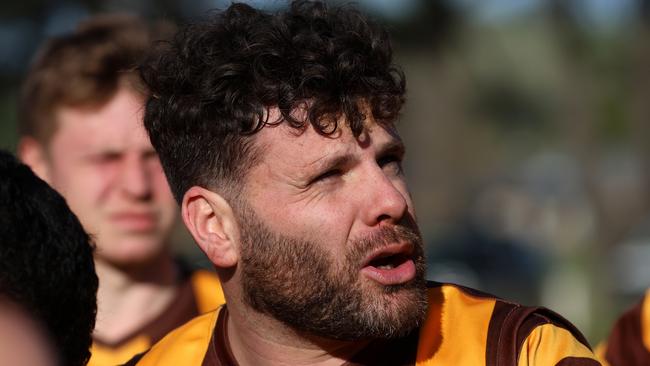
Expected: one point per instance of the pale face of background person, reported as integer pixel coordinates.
(101, 161)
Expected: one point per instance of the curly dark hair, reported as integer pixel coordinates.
(213, 86)
(46, 260)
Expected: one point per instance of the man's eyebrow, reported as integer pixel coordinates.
(324, 164)
(394, 146)
(332, 161)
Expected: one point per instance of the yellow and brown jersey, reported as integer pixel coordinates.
(200, 292)
(629, 341)
(463, 327)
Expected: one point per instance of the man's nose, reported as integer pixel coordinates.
(384, 201)
(135, 178)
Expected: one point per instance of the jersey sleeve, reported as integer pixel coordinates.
(535, 336)
(549, 344)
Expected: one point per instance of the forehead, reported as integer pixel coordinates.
(303, 148)
(116, 124)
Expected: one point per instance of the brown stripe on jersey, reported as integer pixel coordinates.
(577, 361)
(135, 359)
(558, 320)
(219, 352)
(511, 324)
(500, 313)
(625, 343)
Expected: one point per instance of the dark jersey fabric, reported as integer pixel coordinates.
(625, 346)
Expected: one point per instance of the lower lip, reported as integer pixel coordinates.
(393, 276)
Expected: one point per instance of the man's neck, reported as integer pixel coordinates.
(257, 339)
(130, 297)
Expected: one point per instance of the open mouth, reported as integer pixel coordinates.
(389, 261)
(391, 265)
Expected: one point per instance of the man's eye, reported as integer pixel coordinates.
(393, 163)
(330, 174)
(105, 158)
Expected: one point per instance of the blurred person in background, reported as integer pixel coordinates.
(81, 130)
(628, 343)
(277, 133)
(48, 284)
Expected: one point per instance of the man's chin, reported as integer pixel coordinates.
(390, 314)
(396, 295)
(130, 252)
(391, 303)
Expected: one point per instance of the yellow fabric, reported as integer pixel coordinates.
(600, 352)
(455, 330)
(548, 345)
(207, 291)
(105, 355)
(208, 295)
(185, 345)
(645, 320)
(454, 333)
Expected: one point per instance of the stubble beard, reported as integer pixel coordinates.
(298, 282)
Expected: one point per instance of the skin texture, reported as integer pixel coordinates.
(312, 211)
(294, 281)
(100, 159)
(311, 274)
(23, 341)
(102, 162)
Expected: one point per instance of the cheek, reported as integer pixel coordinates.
(162, 196)
(159, 181)
(81, 184)
(328, 225)
(161, 188)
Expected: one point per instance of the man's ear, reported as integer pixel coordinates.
(212, 223)
(33, 153)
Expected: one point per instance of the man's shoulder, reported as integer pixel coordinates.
(186, 345)
(629, 340)
(452, 291)
(454, 302)
(482, 328)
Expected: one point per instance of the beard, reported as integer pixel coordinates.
(297, 282)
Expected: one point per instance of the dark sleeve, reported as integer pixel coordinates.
(535, 336)
(625, 343)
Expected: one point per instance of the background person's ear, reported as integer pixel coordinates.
(211, 221)
(32, 153)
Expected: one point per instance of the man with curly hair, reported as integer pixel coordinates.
(276, 132)
(48, 284)
(81, 130)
